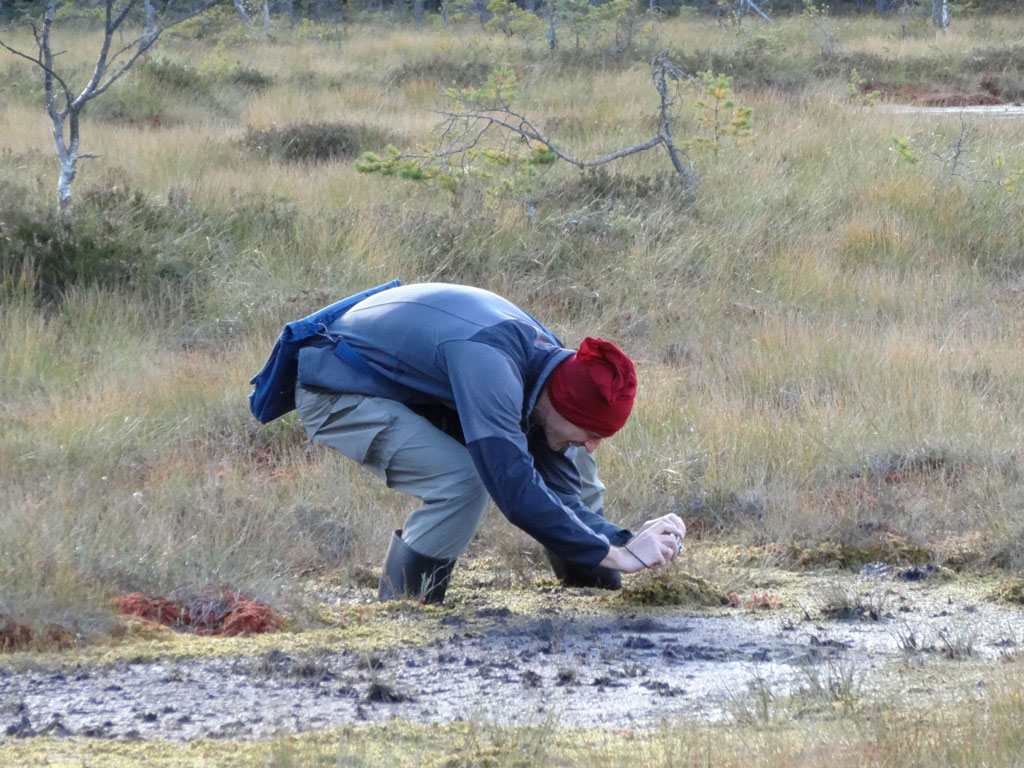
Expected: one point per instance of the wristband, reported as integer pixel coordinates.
(634, 554)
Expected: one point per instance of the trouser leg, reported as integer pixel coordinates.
(412, 456)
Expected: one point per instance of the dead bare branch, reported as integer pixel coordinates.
(464, 126)
(144, 43)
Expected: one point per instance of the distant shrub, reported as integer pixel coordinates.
(170, 74)
(84, 16)
(1002, 59)
(315, 142)
(312, 31)
(217, 67)
(135, 103)
(219, 23)
(110, 241)
(460, 74)
(250, 77)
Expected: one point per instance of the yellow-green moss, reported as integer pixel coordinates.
(1009, 591)
(374, 628)
(672, 588)
(359, 627)
(878, 549)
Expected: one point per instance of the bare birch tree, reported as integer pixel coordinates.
(552, 34)
(940, 14)
(63, 106)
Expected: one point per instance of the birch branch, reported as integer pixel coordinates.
(39, 63)
(144, 43)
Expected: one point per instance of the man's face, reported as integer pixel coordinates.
(561, 433)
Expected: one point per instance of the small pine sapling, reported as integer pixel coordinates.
(859, 94)
(717, 114)
(510, 19)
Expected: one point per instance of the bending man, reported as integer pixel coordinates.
(456, 396)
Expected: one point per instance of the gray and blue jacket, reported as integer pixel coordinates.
(475, 354)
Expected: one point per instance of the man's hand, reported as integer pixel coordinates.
(657, 543)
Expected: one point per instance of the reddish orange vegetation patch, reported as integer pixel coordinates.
(987, 95)
(16, 636)
(211, 613)
(755, 602)
(146, 121)
(156, 609)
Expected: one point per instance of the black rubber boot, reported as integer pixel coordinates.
(407, 573)
(572, 575)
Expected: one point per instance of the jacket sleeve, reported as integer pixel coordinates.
(558, 471)
(488, 393)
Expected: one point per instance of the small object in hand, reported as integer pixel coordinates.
(679, 542)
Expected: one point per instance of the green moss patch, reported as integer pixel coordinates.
(882, 548)
(673, 588)
(1009, 591)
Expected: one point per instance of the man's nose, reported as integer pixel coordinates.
(592, 443)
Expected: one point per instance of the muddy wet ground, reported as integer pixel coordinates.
(623, 671)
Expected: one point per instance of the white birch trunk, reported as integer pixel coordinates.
(940, 14)
(67, 175)
(150, 17)
(266, 17)
(552, 35)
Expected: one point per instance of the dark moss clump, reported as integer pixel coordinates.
(172, 75)
(883, 548)
(460, 74)
(673, 588)
(252, 78)
(316, 142)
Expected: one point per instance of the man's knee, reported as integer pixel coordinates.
(459, 486)
(469, 487)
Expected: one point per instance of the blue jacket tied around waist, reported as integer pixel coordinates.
(472, 352)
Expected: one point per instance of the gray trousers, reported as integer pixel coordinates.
(413, 456)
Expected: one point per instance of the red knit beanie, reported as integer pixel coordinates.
(594, 389)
